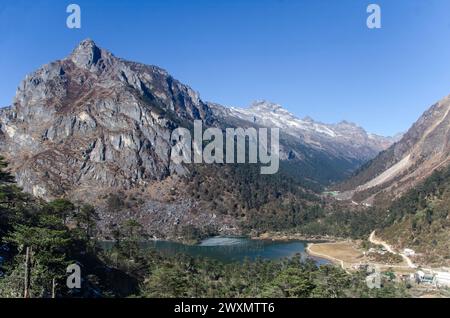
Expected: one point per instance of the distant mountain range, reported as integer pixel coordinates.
(345, 139)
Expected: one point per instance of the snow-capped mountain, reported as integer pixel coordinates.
(345, 139)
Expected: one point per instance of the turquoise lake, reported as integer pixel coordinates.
(230, 249)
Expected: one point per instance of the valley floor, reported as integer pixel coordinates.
(350, 256)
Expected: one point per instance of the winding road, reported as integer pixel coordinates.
(388, 248)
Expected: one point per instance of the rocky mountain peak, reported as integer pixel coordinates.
(95, 120)
(88, 55)
(347, 123)
(265, 106)
(349, 127)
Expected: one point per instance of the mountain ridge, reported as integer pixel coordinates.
(424, 148)
(344, 139)
(97, 128)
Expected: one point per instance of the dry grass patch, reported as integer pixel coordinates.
(340, 251)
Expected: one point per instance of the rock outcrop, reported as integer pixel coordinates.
(93, 120)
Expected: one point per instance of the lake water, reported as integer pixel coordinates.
(229, 249)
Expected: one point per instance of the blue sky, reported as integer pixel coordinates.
(315, 57)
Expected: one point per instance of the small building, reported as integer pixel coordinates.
(442, 279)
(425, 278)
(361, 266)
(409, 252)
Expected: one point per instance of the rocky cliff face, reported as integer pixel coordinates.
(93, 120)
(422, 150)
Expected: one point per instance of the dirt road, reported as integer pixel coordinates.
(388, 248)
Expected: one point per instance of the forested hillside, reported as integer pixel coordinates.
(187, 277)
(259, 202)
(281, 202)
(56, 234)
(60, 233)
(421, 219)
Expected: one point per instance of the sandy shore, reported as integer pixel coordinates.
(313, 250)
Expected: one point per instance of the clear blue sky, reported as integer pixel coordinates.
(315, 57)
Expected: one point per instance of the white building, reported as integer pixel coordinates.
(442, 279)
(425, 278)
(409, 252)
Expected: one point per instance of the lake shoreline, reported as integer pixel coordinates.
(285, 237)
(330, 258)
(231, 249)
(266, 236)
